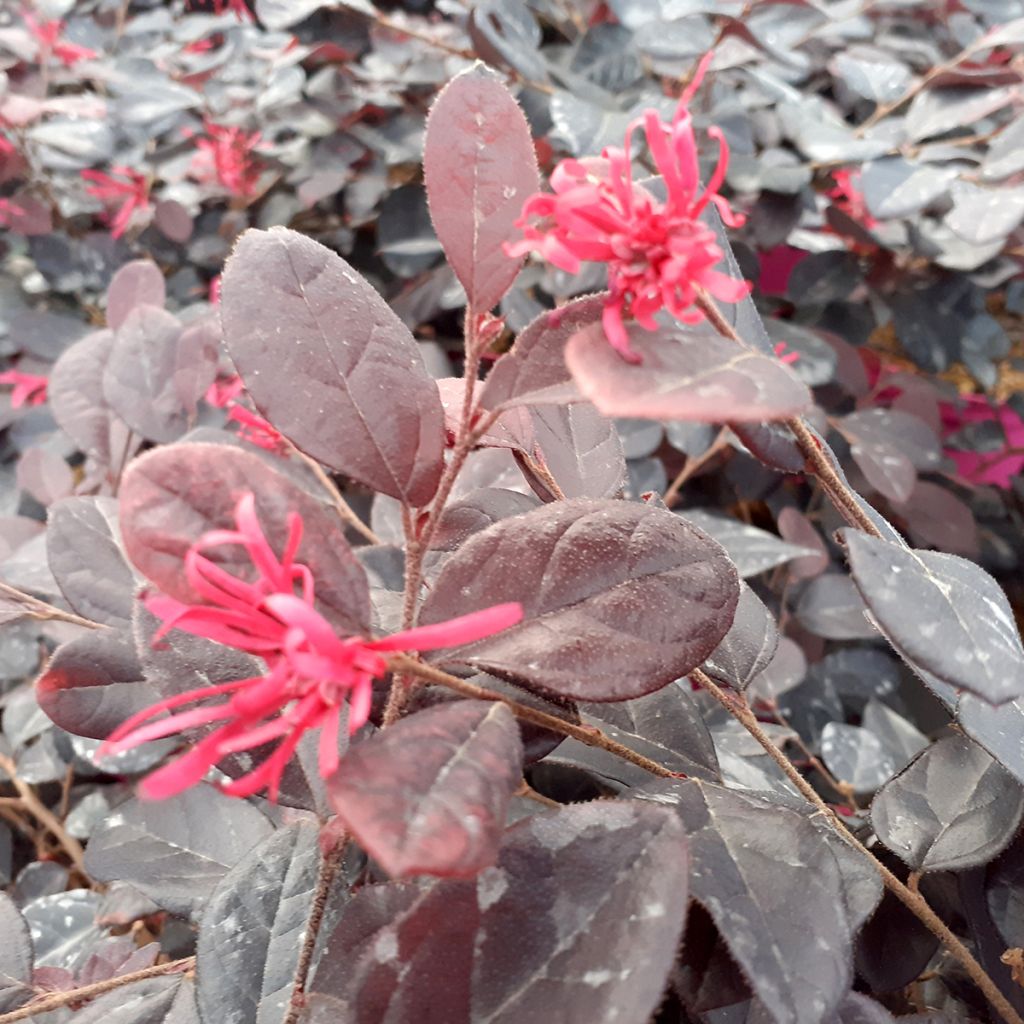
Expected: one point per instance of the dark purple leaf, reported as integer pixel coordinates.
(83, 547)
(941, 613)
(937, 111)
(775, 890)
(252, 927)
(76, 395)
(938, 518)
(176, 851)
(138, 283)
(139, 376)
(751, 549)
(477, 511)
(1005, 894)
(517, 955)
(507, 33)
(785, 671)
(63, 928)
(430, 794)
(581, 449)
(895, 187)
(533, 371)
(998, 728)
(831, 607)
(94, 683)
(687, 373)
(856, 756)
(619, 598)
(15, 957)
(773, 444)
(954, 807)
(171, 496)
(150, 1001)
(749, 646)
(858, 1009)
(356, 395)
(796, 528)
(479, 166)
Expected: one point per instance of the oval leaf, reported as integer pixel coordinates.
(171, 496)
(138, 283)
(955, 807)
(330, 365)
(941, 613)
(749, 646)
(619, 598)
(620, 866)
(15, 957)
(479, 167)
(688, 373)
(430, 794)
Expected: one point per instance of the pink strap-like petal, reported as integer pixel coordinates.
(455, 632)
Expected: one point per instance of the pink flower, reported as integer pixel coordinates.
(230, 150)
(29, 388)
(132, 194)
(660, 255)
(847, 197)
(239, 7)
(223, 391)
(47, 34)
(311, 671)
(256, 430)
(9, 212)
(784, 356)
(999, 467)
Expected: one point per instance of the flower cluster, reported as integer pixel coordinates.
(132, 194)
(29, 388)
(311, 672)
(223, 394)
(659, 255)
(226, 155)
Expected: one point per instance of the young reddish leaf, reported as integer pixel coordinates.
(533, 371)
(76, 395)
(941, 613)
(139, 378)
(83, 547)
(430, 794)
(171, 496)
(94, 683)
(138, 283)
(619, 598)
(688, 373)
(330, 365)
(479, 166)
(579, 921)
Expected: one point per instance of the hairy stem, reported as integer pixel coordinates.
(912, 900)
(834, 486)
(71, 846)
(589, 735)
(36, 609)
(330, 863)
(55, 1000)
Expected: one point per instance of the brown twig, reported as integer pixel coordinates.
(913, 901)
(55, 1000)
(692, 465)
(527, 792)
(341, 506)
(36, 609)
(71, 846)
(589, 735)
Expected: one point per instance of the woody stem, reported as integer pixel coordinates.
(737, 706)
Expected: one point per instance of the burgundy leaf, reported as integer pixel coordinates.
(941, 613)
(688, 373)
(138, 283)
(619, 598)
(196, 363)
(139, 378)
(83, 547)
(476, 512)
(796, 528)
(44, 475)
(579, 921)
(479, 166)
(330, 365)
(76, 395)
(94, 683)
(430, 794)
(581, 449)
(749, 646)
(938, 518)
(773, 444)
(171, 496)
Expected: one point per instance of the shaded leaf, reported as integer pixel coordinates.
(774, 888)
(620, 866)
(479, 166)
(751, 549)
(856, 756)
(294, 311)
(954, 807)
(430, 794)
(252, 927)
(937, 111)
(983, 215)
(63, 928)
(998, 728)
(15, 957)
(83, 548)
(831, 606)
(941, 613)
(150, 1001)
(895, 187)
(137, 283)
(175, 851)
(581, 448)
(171, 496)
(749, 646)
(687, 373)
(590, 576)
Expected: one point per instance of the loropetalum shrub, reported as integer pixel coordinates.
(379, 696)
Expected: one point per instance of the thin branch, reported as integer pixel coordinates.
(36, 609)
(527, 792)
(692, 465)
(330, 863)
(913, 901)
(71, 846)
(591, 736)
(56, 1000)
(341, 506)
